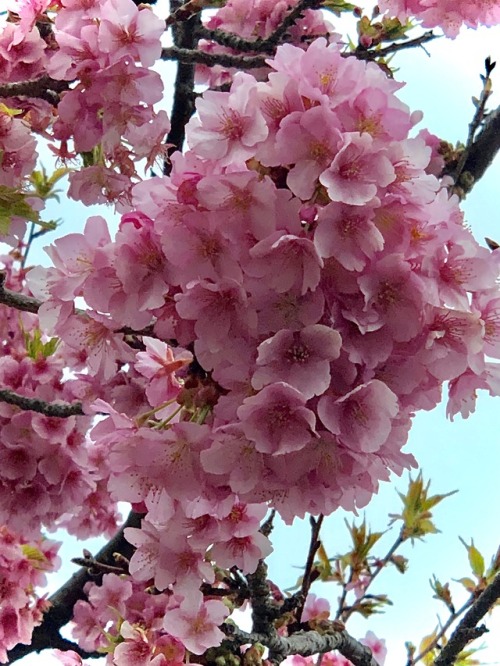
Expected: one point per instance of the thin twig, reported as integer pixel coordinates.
(307, 578)
(344, 613)
(441, 633)
(211, 59)
(24, 303)
(373, 54)
(267, 45)
(95, 567)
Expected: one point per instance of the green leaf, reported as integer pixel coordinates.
(417, 505)
(425, 644)
(13, 203)
(44, 185)
(476, 560)
(36, 348)
(442, 592)
(324, 563)
(33, 553)
(338, 6)
(468, 583)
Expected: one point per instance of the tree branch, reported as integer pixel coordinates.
(267, 45)
(185, 39)
(467, 629)
(483, 150)
(16, 300)
(60, 410)
(307, 578)
(480, 149)
(373, 54)
(305, 643)
(47, 635)
(45, 88)
(211, 59)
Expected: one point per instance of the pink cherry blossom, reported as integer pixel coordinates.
(126, 31)
(298, 358)
(276, 419)
(362, 419)
(159, 363)
(357, 171)
(195, 623)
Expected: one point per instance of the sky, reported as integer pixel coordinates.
(463, 455)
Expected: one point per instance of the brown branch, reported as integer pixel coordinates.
(483, 150)
(47, 635)
(60, 410)
(16, 300)
(305, 643)
(264, 608)
(467, 629)
(19, 301)
(211, 59)
(307, 579)
(478, 154)
(44, 88)
(372, 54)
(185, 38)
(267, 45)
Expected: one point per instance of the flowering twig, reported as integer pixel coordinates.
(373, 54)
(472, 162)
(267, 45)
(305, 643)
(343, 612)
(467, 629)
(307, 578)
(46, 635)
(19, 301)
(211, 59)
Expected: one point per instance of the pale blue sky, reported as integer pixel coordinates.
(463, 455)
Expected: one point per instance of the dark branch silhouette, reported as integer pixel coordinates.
(467, 629)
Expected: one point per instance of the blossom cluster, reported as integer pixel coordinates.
(107, 49)
(133, 620)
(101, 45)
(317, 287)
(23, 565)
(259, 332)
(254, 20)
(50, 475)
(450, 15)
